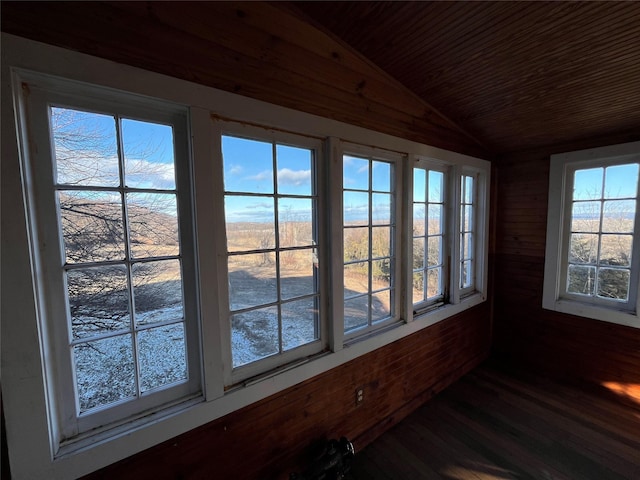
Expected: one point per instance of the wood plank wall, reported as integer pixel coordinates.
(564, 346)
(255, 49)
(259, 51)
(276, 436)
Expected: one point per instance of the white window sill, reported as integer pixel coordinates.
(573, 307)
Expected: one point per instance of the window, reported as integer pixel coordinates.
(467, 233)
(443, 236)
(271, 198)
(593, 270)
(369, 229)
(115, 244)
(171, 261)
(430, 275)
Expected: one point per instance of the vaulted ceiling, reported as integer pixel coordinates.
(478, 77)
(514, 75)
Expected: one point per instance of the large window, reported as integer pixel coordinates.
(467, 260)
(429, 270)
(116, 256)
(173, 253)
(593, 220)
(369, 244)
(272, 249)
(447, 234)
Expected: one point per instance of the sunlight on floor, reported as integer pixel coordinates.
(629, 390)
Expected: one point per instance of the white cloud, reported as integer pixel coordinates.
(266, 175)
(287, 176)
(236, 170)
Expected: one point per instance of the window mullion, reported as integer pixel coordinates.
(335, 257)
(276, 226)
(455, 190)
(211, 252)
(127, 253)
(406, 242)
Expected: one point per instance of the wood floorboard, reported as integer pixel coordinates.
(499, 424)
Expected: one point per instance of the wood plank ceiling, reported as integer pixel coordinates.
(516, 75)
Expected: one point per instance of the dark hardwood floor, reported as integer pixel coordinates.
(494, 424)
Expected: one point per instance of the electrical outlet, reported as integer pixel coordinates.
(359, 395)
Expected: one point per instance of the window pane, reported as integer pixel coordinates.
(613, 283)
(418, 219)
(619, 216)
(418, 287)
(621, 181)
(467, 274)
(85, 148)
(299, 323)
(250, 223)
(356, 244)
(98, 300)
(467, 218)
(157, 370)
(381, 242)
(381, 306)
(468, 189)
(581, 280)
(616, 250)
(92, 226)
(435, 251)
(356, 173)
(381, 209)
(248, 165)
(381, 176)
(254, 335)
(297, 274)
(356, 313)
(583, 248)
(295, 222)
(105, 372)
(356, 208)
(148, 155)
(585, 217)
(419, 185)
(587, 184)
(436, 187)
(434, 282)
(381, 274)
(356, 279)
(157, 291)
(153, 224)
(418, 253)
(436, 219)
(252, 280)
(294, 170)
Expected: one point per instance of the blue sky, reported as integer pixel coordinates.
(85, 145)
(620, 181)
(249, 168)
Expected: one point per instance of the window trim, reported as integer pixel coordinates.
(554, 296)
(398, 160)
(27, 406)
(427, 165)
(243, 373)
(455, 294)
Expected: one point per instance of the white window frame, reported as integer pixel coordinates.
(45, 93)
(242, 130)
(426, 165)
(397, 160)
(27, 379)
(454, 293)
(555, 296)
